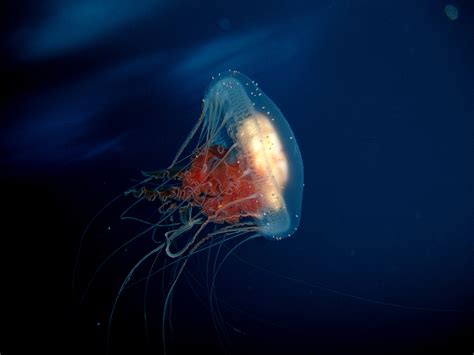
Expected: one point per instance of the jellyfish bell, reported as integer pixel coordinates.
(265, 142)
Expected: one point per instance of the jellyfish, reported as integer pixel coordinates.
(245, 172)
(237, 176)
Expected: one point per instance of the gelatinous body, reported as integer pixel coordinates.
(247, 163)
(237, 176)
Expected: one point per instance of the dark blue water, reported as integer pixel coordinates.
(380, 96)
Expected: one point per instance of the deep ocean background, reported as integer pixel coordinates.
(380, 95)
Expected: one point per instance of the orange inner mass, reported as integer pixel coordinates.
(224, 190)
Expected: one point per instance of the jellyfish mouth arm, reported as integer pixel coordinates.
(145, 192)
(165, 194)
(163, 174)
(177, 232)
(173, 234)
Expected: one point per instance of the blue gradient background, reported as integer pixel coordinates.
(380, 96)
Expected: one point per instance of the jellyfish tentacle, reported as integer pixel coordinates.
(123, 287)
(145, 295)
(230, 234)
(183, 228)
(216, 272)
(190, 136)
